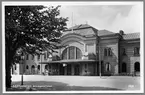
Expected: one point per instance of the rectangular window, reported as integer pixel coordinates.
(136, 51)
(109, 52)
(123, 51)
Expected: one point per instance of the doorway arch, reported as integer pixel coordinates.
(124, 67)
(33, 69)
(137, 67)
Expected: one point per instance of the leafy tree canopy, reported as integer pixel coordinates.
(32, 29)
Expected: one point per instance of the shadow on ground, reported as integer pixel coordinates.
(51, 86)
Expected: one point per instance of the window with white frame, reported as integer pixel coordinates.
(108, 67)
(136, 50)
(107, 52)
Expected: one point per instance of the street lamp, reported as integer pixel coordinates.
(99, 54)
(99, 58)
(42, 53)
(64, 65)
(22, 59)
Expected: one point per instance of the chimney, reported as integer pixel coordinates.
(121, 32)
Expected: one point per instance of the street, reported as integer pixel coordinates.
(118, 82)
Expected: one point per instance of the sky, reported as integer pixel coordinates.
(112, 16)
(128, 18)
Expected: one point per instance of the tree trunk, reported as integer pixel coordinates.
(8, 75)
(9, 58)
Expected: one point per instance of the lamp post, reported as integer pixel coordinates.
(22, 59)
(41, 63)
(65, 72)
(99, 54)
(99, 58)
(42, 53)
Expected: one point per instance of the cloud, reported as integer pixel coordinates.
(133, 22)
(111, 17)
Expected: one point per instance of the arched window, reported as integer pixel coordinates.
(137, 66)
(32, 67)
(72, 53)
(78, 53)
(123, 51)
(64, 54)
(108, 67)
(124, 68)
(27, 67)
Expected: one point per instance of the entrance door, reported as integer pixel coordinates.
(61, 69)
(124, 67)
(137, 66)
(77, 69)
(32, 69)
(69, 69)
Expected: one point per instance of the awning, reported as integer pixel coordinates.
(68, 61)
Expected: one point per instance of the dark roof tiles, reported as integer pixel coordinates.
(131, 36)
(87, 30)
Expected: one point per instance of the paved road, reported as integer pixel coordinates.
(120, 82)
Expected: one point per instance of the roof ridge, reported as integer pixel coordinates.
(133, 33)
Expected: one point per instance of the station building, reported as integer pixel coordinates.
(87, 51)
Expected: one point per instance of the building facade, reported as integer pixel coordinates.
(87, 51)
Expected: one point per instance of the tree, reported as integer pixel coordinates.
(30, 29)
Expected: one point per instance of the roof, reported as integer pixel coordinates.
(81, 26)
(131, 36)
(82, 32)
(69, 61)
(104, 32)
(85, 30)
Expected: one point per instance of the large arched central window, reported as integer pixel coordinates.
(72, 53)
